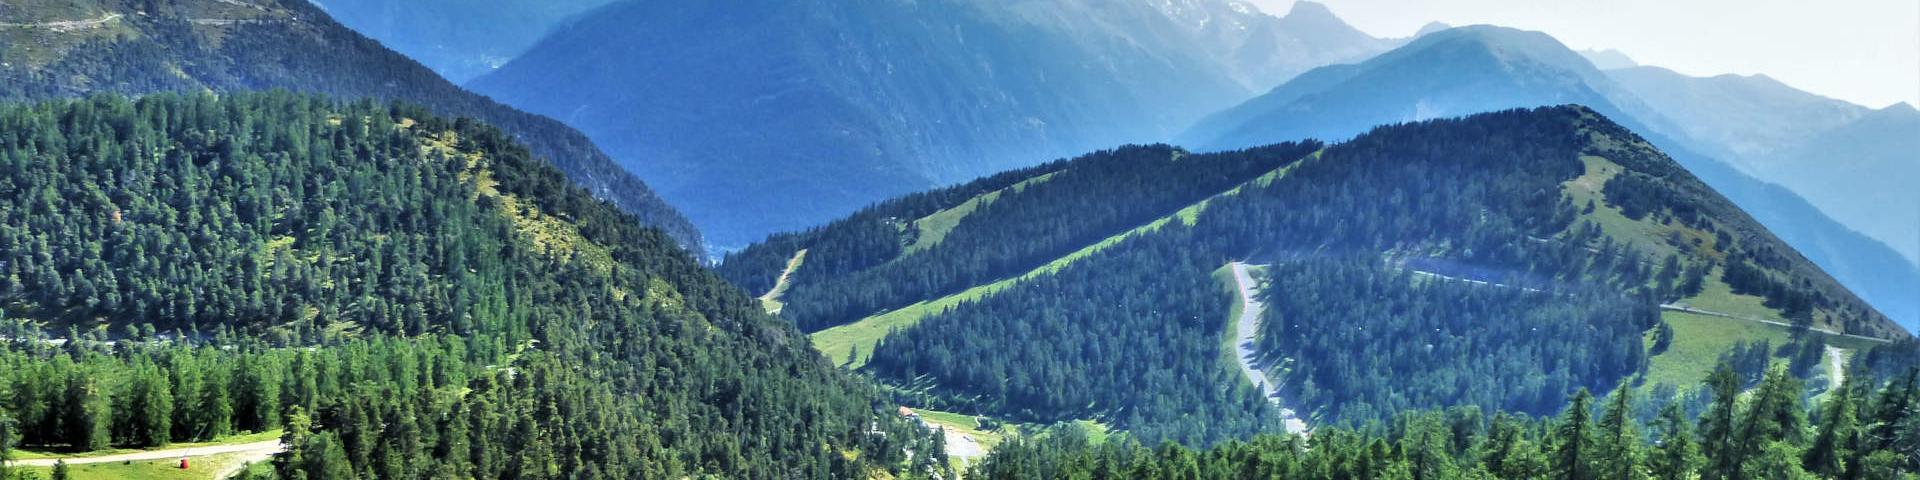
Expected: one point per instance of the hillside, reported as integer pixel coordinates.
(1483, 68)
(1843, 158)
(1856, 172)
(789, 114)
(400, 294)
(1574, 232)
(57, 49)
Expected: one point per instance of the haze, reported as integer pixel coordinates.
(1862, 51)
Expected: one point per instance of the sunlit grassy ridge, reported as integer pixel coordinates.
(841, 343)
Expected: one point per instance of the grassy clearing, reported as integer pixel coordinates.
(969, 426)
(1644, 235)
(839, 343)
(1698, 341)
(771, 301)
(203, 468)
(1716, 296)
(29, 454)
(1224, 275)
(934, 228)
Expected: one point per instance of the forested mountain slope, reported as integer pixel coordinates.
(405, 295)
(1576, 230)
(783, 115)
(1483, 68)
(62, 49)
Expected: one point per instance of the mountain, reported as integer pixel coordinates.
(1609, 59)
(1447, 73)
(459, 39)
(1483, 68)
(1744, 119)
(65, 49)
(1498, 260)
(1843, 158)
(1856, 172)
(401, 294)
(787, 114)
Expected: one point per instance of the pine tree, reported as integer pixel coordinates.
(7, 439)
(60, 470)
(1717, 439)
(153, 405)
(1828, 454)
(1619, 445)
(1677, 456)
(89, 418)
(1573, 454)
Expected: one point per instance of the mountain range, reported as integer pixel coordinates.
(847, 103)
(1843, 158)
(1480, 68)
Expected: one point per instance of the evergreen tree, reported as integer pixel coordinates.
(1718, 442)
(1828, 455)
(1676, 457)
(1619, 449)
(1573, 452)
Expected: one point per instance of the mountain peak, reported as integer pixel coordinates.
(1431, 27)
(1314, 11)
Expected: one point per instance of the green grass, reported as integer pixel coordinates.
(967, 425)
(771, 301)
(1716, 296)
(1224, 275)
(30, 454)
(934, 228)
(1698, 341)
(203, 468)
(838, 343)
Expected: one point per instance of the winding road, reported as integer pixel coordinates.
(1245, 329)
(248, 453)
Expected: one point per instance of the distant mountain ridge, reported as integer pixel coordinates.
(460, 39)
(128, 46)
(841, 104)
(1483, 68)
(1846, 159)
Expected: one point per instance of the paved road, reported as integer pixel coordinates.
(1245, 329)
(255, 451)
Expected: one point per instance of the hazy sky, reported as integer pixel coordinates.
(1863, 51)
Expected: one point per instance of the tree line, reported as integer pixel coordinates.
(402, 295)
(1858, 432)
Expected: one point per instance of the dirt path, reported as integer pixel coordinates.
(1836, 367)
(67, 25)
(771, 300)
(255, 451)
(1245, 329)
(1710, 313)
(959, 445)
